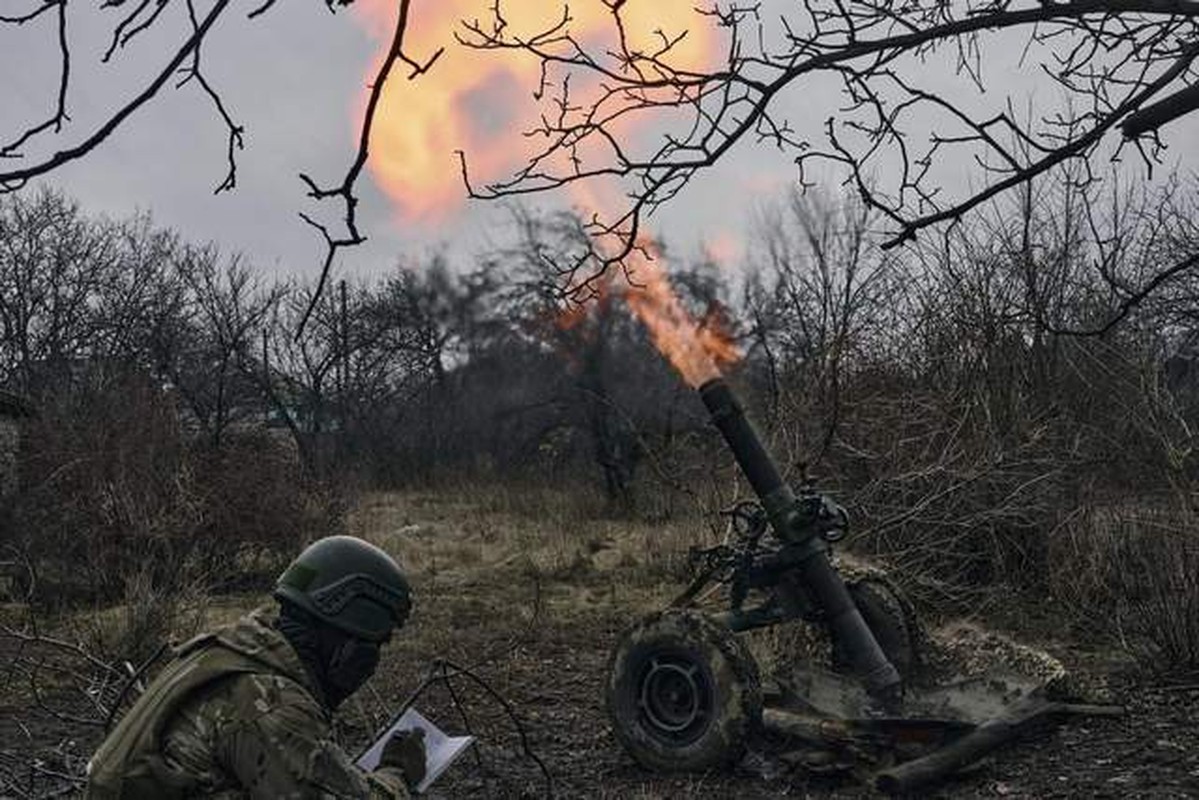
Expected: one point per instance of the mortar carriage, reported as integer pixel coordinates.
(684, 692)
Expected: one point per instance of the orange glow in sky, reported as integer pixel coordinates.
(481, 102)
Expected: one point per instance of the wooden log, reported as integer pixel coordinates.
(894, 734)
(984, 739)
(822, 731)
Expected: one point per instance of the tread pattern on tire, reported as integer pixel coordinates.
(736, 682)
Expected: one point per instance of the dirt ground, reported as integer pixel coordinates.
(529, 594)
(537, 596)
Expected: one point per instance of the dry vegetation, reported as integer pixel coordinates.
(528, 586)
(1009, 449)
(1008, 410)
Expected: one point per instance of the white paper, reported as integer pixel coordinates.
(440, 749)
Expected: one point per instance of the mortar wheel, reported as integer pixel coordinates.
(890, 618)
(683, 692)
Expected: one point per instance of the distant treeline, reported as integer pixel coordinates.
(999, 405)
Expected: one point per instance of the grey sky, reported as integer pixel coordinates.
(293, 78)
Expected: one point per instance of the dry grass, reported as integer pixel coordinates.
(444, 538)
(1132, 572)
(540, 556)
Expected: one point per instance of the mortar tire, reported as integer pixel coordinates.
(683, 692)
(890, 618)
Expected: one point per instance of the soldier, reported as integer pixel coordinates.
(244, 711)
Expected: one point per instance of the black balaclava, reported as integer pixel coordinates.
(338, 662)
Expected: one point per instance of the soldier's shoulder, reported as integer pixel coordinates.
(259, 694)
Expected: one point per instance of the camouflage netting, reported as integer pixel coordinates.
(963, 670)
(963, 651)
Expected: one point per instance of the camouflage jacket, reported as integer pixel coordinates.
(234, 715)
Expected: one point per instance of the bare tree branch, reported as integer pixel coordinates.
(21, 19)
(1133, 299)
(1113, 56)
(12, 180)
(345, 190)
(1152, 117)
(60, 114)
(235, 130)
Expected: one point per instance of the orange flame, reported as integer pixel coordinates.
(471, 101)
(697, 349)
(481, 102)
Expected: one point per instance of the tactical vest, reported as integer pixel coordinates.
(129, 764)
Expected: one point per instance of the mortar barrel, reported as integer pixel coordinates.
(743, 440)
(821, 580)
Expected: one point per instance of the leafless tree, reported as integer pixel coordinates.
(225, 310)
(53, 263)
(299, 371)
(823, 299)
(447, 315)
(140, 308)
(1124, 70)
(897, 121)
(614, 395)
(131, 20)
(590, 339)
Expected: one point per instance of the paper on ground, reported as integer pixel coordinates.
(440, 749)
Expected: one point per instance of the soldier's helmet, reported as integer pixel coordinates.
(350, 584)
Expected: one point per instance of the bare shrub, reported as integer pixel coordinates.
(119, 503)
(254, 508)
(1160, 595)
(134, 630)
(1132, 572)
(107, 489)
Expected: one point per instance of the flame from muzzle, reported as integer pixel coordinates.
(696, 348)
(468, 101)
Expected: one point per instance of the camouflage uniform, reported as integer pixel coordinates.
(235, 715)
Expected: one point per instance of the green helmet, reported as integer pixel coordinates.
(350, 584)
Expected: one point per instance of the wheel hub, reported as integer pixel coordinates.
(675, 697)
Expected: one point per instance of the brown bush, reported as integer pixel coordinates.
(256, 507)
(1131, 573)
(116, 492)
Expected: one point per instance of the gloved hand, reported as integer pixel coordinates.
(405, 751)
